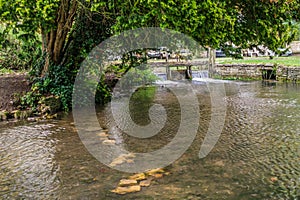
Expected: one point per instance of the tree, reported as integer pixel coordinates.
(216, 23)
(67, 30)
(58, 23)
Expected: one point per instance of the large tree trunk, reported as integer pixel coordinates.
(55, 40)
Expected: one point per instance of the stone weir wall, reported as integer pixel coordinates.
(258, 71)
(288, 74)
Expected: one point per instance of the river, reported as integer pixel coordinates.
(256, 157)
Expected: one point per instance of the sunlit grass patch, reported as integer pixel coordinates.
(286, 61)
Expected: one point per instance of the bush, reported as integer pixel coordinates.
(19, 52)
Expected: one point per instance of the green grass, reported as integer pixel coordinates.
(4, 71)
(285, 61)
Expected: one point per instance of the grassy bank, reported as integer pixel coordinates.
(5, 71)
(293, 61)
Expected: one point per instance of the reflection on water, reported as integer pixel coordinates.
(256, 157)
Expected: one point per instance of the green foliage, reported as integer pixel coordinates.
(19, 51)
(6, 71)
(296, 26)
(133, 70)
(88, 31)
(103, 92)
(27, 15)
(59, 82)
(138, 77)
(217, 23)
(21, 23)
(23, 20)
(31, 99)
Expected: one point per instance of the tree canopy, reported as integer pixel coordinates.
(214, 23)
(210, 22)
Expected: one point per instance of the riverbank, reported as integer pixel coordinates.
(11, 85)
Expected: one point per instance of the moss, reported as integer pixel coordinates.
(17, 114)
(25, 114)
(5, 115)
(50, 104)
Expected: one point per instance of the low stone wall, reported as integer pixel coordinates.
(288, 74)
(257, 71)
(252, 71)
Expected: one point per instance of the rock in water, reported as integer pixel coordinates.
(127, 182)
(117, 161)
(125, 190)
(155, 171)
(102, 134)
(138, 177)
(109, 142)
(145, 183)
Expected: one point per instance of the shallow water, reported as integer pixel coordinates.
(256, 157)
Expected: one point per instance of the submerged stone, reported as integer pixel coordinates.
(130, 161)
(117, 161)
(146, 183)
(138, 177)
(157, 175)
(127, 182)
(219, 163)
(31, 119)
(109, 142)
(102, 134)
(125, 190)
(155, 171)
(122, 158)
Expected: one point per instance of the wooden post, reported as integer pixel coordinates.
(168, 72)
(211, 61)
(189, 72)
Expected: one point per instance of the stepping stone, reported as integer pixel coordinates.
(138, 177)
(145, 183)
(125, 190)
(127, 182)
(109, 142)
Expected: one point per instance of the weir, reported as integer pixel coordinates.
(179, 71)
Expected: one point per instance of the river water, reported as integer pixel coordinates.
(256, 157)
